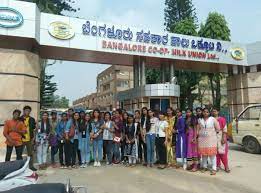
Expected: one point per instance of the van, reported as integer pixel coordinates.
(246, 129)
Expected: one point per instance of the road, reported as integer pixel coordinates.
(244, 177)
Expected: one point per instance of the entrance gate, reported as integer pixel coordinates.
(26, 35)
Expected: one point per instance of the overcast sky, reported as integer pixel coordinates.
(78, 79)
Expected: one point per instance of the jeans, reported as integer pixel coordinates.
(42, 153)
(54, 150)
(19, 152)
(116, 152)
(61, 148)
(97, 148)
(84, 146)
(123, 144)
(150, 142)
(108, 150)
(213, 162)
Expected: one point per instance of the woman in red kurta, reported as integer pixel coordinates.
(222, 154)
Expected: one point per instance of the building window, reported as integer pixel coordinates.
(106, 87)
(247, 69)
(258, 67)
(123, 84)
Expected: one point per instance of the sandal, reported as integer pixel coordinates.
(213, 173)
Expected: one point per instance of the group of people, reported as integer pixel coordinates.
(171, 139)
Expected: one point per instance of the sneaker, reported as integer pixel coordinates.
(107, 163)
(81, 166)
(84, 166)
(95, 164)
(99, 164)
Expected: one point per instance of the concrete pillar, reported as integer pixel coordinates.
(20, 82)
(142, 71)
(171, 70)
(243, 90)
(163, 74)
(136, 73)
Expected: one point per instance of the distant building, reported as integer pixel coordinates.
(109, 82)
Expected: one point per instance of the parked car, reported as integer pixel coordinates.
(246, 129)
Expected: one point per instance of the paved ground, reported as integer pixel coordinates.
(245, 177)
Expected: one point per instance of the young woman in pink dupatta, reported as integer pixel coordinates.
(222, 154)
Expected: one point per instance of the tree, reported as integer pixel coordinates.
(178, 10)
(60, 102)
(47, 87)
(54, 6)
(216, 27)
(152, 76)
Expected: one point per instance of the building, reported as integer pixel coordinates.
(109, 82)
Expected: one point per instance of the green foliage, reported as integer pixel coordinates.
(47, 87)
(216, 27)
(152, 76)
(60, 102)
(187, 27)
(177, 10)
(54, 6)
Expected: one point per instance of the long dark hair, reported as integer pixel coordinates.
(48, 125)
(76, 122)
(144, 108)
(193, 119)
(98, 111)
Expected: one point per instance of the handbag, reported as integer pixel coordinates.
(71, 132)
(117, 139)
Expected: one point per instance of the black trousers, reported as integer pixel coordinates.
(76, 152)
(68, 152)
(19, 152)
(123, 144)
(142, 149)
(162, 151)
(61, 147)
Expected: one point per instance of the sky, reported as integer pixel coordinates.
(76, 79)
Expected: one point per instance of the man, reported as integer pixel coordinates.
(53, 138)
(14, 129)
(28, 138)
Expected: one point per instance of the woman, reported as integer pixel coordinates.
(42, 137)
(96, 136)
(123, 139)
(150, 138)
(131, 141)
(207, 140)
(145, 125)
(199, 112)
(191, 129)
(84, 139)
(181, 144)
(161, 140)
(108, 131)
(118, 127)
(75, 138)
(171, 138)
(222, 154)
(60, 131)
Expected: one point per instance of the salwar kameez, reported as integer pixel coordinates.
(171, 156)
(181, 145)
(207, 140)
(222, 154)
(192, 149)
